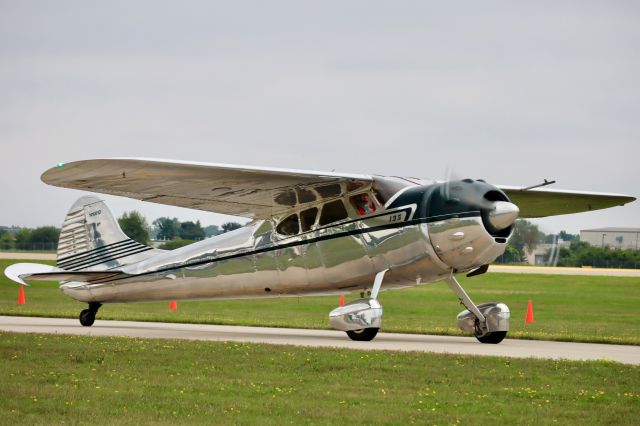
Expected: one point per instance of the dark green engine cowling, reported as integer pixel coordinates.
(469, 221)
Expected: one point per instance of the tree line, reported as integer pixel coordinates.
(583, 254)
(42, 238)
(133, 224)
(526, 236)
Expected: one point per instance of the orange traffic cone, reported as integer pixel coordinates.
(342, 300)
(21, 299)
(173, 306)
(529, 318)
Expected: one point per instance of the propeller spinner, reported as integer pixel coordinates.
(502, 215)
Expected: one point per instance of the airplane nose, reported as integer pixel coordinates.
(503, 214)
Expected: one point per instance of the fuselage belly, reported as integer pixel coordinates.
(311, 264)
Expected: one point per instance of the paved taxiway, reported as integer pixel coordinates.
(25, 255)
(326, 338)
(563, 270)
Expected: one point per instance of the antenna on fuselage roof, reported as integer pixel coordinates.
(545, 183)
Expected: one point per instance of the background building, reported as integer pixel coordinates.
(545, 254)
(626, 238)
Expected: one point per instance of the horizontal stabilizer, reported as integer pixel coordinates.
(19, 272)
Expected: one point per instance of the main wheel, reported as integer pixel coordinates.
(494, 337)
(363, 335)
(87, 317)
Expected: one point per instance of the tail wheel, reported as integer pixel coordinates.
(494, 337)
(87, 317)
(363, 335)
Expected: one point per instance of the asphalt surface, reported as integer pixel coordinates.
(24, 255)
(325, 338)
(562, 270)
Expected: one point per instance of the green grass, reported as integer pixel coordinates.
(87, 380)
(569, 308)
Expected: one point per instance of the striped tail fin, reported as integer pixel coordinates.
(91, 239)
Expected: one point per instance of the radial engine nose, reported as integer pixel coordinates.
(503, 215)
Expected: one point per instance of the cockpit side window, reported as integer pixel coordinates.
(333, 212)
(308, 218)
(289, 225)
(363, 203)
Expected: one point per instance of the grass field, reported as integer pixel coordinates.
(570, 308)
(87, 380)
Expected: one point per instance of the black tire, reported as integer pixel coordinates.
(87, 317)
(493, 337)
(363, 335)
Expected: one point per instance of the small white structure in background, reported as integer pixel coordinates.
(621, 238)
(545, 254)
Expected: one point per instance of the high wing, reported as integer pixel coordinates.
(221, 188)
(261, 193)
(535, 203)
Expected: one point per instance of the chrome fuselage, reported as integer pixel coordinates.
(420, 235)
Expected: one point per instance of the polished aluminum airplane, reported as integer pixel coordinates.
(310, 233)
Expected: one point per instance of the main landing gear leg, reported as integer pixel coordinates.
(88, 316)
(486, 330)
(465, 299)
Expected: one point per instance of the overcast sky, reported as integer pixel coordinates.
(512, 93)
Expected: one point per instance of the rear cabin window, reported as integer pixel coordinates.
(328, 191)
(308, 218)
(289, 225)
(333, 212)
(305, 195)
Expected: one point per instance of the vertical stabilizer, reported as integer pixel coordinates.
(91, 239)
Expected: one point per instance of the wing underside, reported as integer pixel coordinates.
(235, 190)
(536, 203)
